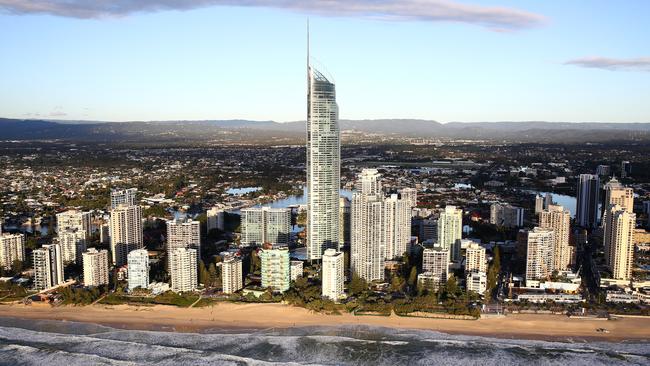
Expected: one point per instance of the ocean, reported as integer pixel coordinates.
(46, 342)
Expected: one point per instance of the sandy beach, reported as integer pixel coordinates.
(262, 316)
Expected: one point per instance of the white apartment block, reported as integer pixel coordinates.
(477, 282)
(125, 197)
(12, 248)
(216, 217)
(539, 254)
(506, 215)
(558, 219)
(367, 236)
(475, 258)
(260, 225)
(95, 265)
(296, 270)
(409, 195)
(450, 231)
(183, 269)
(397, 223)
(333, 275)
(617, 194)
(232, 275)
(138, 269)
(276, 269)
(436, 261)
(125, 228)
(48, 267)
(184, 233)
(74, 220)
(619, 241)
(73, 244)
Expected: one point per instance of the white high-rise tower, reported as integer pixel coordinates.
(323, 165)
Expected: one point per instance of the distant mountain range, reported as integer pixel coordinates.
(245, 131)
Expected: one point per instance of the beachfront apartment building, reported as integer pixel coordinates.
(73, 244)
(435, 264)
(333, 275)
(276, 269)
(48, 266)
(184, 233)
(12, 248)
(232, 275)
(558, 219)
(95, 267)
(138, 269)
(450, 231)
(539, 253)
(475, 258)
(125, 226)
(619, 241)
(261, 225)
(183, 269)
(477, 282)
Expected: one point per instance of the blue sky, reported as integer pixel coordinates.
(527, 60)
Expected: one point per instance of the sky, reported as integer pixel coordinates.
(443, 60)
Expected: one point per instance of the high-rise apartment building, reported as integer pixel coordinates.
(587, 200)
(617, 194)
(539, 203)
(345, 221)
(626, 169)
(323, 166)
(476, 282)
(183, 269)
(450, 231)
(74, 220)
(619, 241)
(73, 244)
(276, 269)
(539, 256)
(261, 225)
(397, 224)
(138, 269)
(558, 219)
(216, 219)
(95, 265)
(475, 258)
(332, 275)
(125, 197)
(506, 215)
(410, 195)
(125, 228)
(48, 266)
(436, 261)
(232, 275)
(12, 248)
(368, 239)
(184, 233)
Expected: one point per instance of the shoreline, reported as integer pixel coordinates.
(231, 316)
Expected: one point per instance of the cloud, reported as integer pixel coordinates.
(492, 17)
(614, 64)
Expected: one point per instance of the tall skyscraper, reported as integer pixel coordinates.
(123, 197)
(345, 221)
(619, 241)
(276, 269)
(125, 228)
(332, 275)
(617, 194)
(184, 233)
(558, 219)
(48, 266)
(138, 262)
(368, 237)
(587, 200)
(74, 220)
(260, 225)
(410, 195)
(232, 275)
(450, 231)
(397, 225)
(183, 269)
(539, 203)
(323, 165)
(539, 256)
(12, 248)
(95, 265)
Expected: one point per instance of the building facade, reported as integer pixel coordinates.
(74, 220)
(125, 228)
(73, 244)
(558, 219)
(183, 269)
(332, 275)
(450, 231)
(475, 258)
(619, 241)
(261, 225)
(216, 219)
(323, 166)
(232, 275)
(48, 267)
(125, 197)
(506, 215)
(95, 265)
(368, 234)
(138, 265)
(539, 253)
(587, 200)
(184, 233)
(12, 248)
(276, 269)
(435, 261)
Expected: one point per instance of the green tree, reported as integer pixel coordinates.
(204, 275)
(413, 276)
(357, 285)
